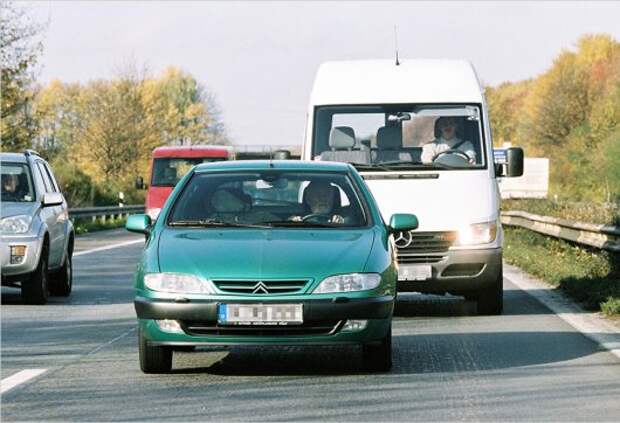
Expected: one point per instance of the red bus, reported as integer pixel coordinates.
(168, 166)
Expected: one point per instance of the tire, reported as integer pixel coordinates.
(154, 359)
(61, 282)
(35, 290)
(491, 299)
(378, 357)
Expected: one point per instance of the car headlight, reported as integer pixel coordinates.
(15, 224)
(478, 233)
(348, 283)
(180, 283)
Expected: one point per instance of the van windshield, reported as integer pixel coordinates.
(400, 137)
(167, 171)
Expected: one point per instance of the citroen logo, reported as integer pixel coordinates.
(260, 288)
(403, 239)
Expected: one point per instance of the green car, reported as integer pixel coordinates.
(267, 253)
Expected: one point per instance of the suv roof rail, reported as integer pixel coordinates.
(31, 152)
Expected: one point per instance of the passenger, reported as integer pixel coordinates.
(321, 200)
(227, 205)
(447, 127)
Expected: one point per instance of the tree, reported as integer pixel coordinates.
(19, 50)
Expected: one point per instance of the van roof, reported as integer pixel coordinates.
(382, 82)
(192, 151)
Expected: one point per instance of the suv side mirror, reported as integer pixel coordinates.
(139, 182)
(514, 161)
(140, 223)
(400, 222)
(52, 199)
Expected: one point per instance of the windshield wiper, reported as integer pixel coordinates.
(369, 167)
(415, 164)
(205, 223)
(291, 223)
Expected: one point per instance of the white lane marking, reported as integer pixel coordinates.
(100, 347)
(18, 378)
(591, 325)
(108, 247)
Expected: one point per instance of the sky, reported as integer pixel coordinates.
(259, 58)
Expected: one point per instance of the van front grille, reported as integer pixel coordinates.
(425, 247)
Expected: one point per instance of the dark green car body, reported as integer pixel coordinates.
(234, 260)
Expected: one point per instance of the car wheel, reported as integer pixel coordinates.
(62, 281)
(154, 359)
(491, 299)
(378, 357)
(35, 290)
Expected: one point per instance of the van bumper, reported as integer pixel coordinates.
(459, 272)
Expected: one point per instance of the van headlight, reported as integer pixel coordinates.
(15, 224)
(478, 233)
(348, 283)
(180, 283)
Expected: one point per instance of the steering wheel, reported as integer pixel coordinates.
(318, 216)
(458, 153)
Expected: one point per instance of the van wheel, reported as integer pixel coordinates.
(35, 290)
(491, 299)
(154, 359)
(378, 357)
(62, 281)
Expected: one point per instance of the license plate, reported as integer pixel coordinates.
(414, 272)
(260, 314)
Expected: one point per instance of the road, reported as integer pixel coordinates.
(449, 364)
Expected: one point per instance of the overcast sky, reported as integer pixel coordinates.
(259, 58)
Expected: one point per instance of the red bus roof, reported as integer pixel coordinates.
(192, 151)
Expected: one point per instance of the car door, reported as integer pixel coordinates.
(51, 216)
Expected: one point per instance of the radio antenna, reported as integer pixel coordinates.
(396, 44)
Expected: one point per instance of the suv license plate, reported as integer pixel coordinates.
(260, 314)
(414, 272)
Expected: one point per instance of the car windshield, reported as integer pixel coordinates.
(167, 171)
(272, 198)
(405, 137)
(16, 183)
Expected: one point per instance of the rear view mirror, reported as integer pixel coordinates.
(401, 222)
(514, 162)
(139, 182)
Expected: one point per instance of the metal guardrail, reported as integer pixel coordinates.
(606, 237)
(104, 212)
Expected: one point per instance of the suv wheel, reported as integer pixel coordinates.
(491, 299)
(153, 359)
(35, 290)
(378, 357)
(62, 281)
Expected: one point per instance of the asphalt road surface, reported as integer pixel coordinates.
(449, 364)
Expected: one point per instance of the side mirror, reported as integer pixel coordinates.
(514, 161)
(403, 222)
(52, 199)
(140, 223)
(139, 182)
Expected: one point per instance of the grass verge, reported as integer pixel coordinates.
(87, 226)
(608, 214)
(590, 276)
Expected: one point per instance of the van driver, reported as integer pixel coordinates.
(447, 127)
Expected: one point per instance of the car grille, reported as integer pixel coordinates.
(425, 247)
(213, 328)
(260, 287)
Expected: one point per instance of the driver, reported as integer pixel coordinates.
(447, 127)
(10, 186)
(320, 201)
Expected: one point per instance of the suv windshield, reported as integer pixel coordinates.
(272, 198)
(168, 171)
(16, 183)
(400, 137)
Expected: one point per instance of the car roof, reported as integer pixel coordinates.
(299, 165)
(13, 157)
(382, 82)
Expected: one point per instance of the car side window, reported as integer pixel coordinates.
(50, 174)
(49, 187)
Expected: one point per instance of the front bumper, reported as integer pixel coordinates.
(458, 272)
(31, 259)
(330, 314)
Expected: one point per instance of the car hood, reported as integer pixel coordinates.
(264, 254)
(11, 208)
(449, 202)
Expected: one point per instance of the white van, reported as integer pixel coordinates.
(419, 134)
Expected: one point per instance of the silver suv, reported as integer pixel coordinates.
(36, 235)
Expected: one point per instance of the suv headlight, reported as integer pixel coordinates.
(15, 224)
(478, 233)
(348, 283)
(180, 283)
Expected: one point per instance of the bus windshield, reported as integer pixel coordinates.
(167, 171)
